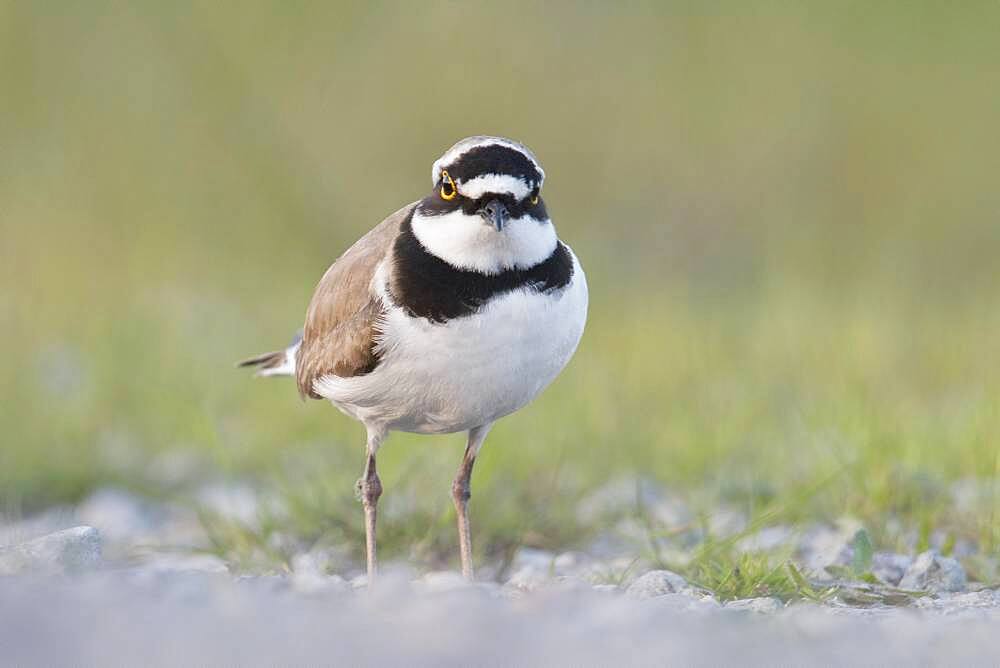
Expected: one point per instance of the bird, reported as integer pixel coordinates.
(453, 312)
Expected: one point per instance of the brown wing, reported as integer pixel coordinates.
(339, 334)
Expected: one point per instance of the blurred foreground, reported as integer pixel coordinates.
(178, 619)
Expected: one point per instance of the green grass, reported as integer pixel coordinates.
(788, 218)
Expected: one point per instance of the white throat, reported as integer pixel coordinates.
(466, 242)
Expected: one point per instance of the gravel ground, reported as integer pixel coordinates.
(105, 583)
(137, 617)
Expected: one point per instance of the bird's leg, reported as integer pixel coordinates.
(460, 494)
(461, 491)
(369, 489)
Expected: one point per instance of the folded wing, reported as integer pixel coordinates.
(343, 316)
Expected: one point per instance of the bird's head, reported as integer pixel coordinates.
(485, 212)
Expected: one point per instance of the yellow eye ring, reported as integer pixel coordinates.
(446, 180)
(534, 199)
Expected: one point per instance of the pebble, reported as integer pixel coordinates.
(113, 517)
(67, 551)
(193, 619)
(766, 605)
(934, 573)
(657, 583)
(824, 546)
(685, 603)
(984, 598)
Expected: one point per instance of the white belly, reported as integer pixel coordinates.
(443, 378)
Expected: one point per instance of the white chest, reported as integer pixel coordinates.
(469, 371)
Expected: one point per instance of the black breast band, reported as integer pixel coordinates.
(428, 287)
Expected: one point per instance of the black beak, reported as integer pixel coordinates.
(495, 212)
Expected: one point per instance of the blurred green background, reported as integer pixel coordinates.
(788, 213)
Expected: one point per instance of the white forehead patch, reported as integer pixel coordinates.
(467, 242)
(494, 183)
(469, 143)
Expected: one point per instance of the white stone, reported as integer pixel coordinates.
(765, 605)
(685, 603)
(932, 572)
(657, 583)
(68, 551)
(824, 546)
(947, 603)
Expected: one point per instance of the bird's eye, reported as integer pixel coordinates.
(448, 189)
(534, 196)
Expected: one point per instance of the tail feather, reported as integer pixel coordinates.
(277, 363)
(265, 361)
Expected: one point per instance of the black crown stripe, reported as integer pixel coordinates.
(494, 159)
